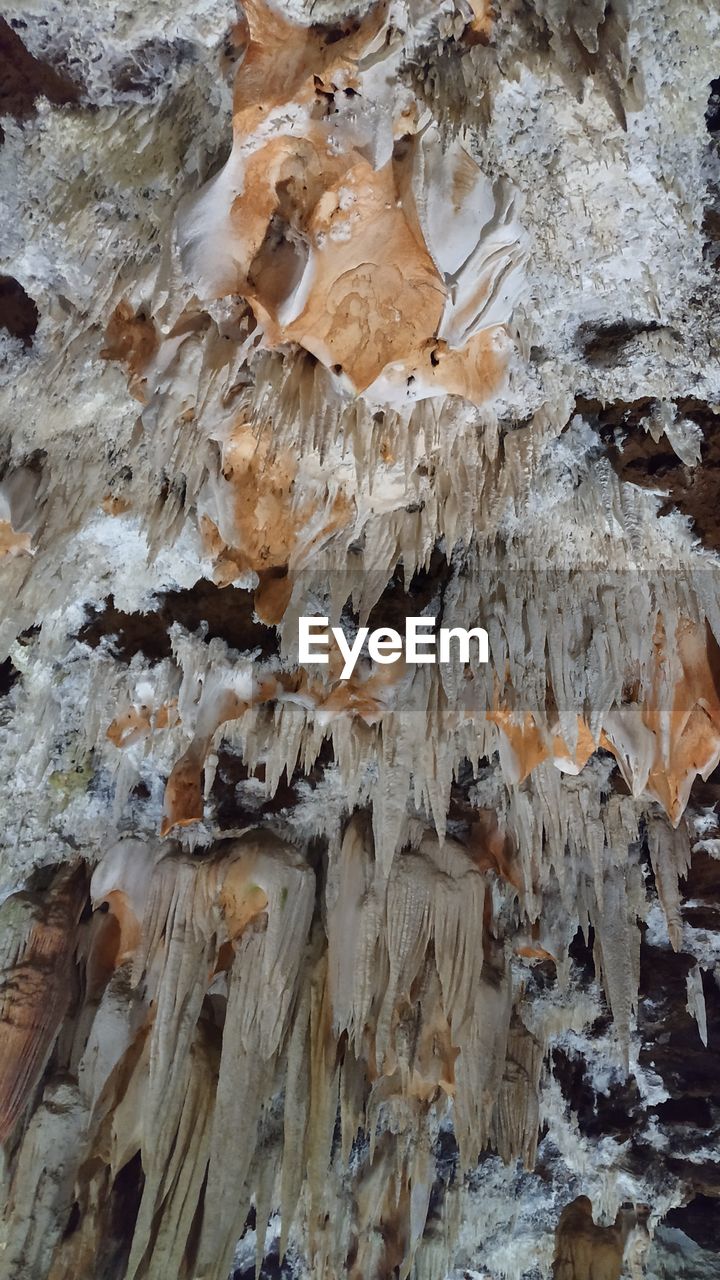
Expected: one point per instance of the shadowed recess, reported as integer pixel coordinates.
(227, 612)
(24, 78)
(18, 312)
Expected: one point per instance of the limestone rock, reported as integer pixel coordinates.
(368, 314)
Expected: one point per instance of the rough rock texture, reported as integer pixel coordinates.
(407, 309)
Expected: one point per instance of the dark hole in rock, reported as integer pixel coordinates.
(227, 611)
(671, 1044)
(149, 66)
(581, 952)
(26, 637)
(120, 1218)
(9, 675)
(700, 1220)
(636, 457)
(600, 342)
(703, 917)
(686, 1111)
(613, 1111)
(712, 115)
(73, 1221)
(657, 464)
(230, 811)
(18, 312)
(399, 601)
(272, 1269)
(703, 878)
(24, 78)
(333, 34)
(279, 263)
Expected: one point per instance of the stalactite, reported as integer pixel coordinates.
(38, 933)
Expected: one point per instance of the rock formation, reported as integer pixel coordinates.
(406, 309)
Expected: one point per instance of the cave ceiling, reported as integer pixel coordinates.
(400, 311)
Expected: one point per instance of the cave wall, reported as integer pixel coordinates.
(402, 310)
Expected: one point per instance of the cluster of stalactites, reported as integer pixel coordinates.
(658, 715)
(208, 1029)
(189, 976)
(206, 1024)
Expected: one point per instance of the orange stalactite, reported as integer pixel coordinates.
(114, 938)
(530, 745)
(36, 987)
(140, 722)
(491, 848)
(114, 505)
(132, 339)
(681, 716)
(281, 59)
(479, 29)
(259, 523)
(13, 543)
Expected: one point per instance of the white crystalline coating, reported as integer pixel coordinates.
(696, 1002)
(684, 435)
